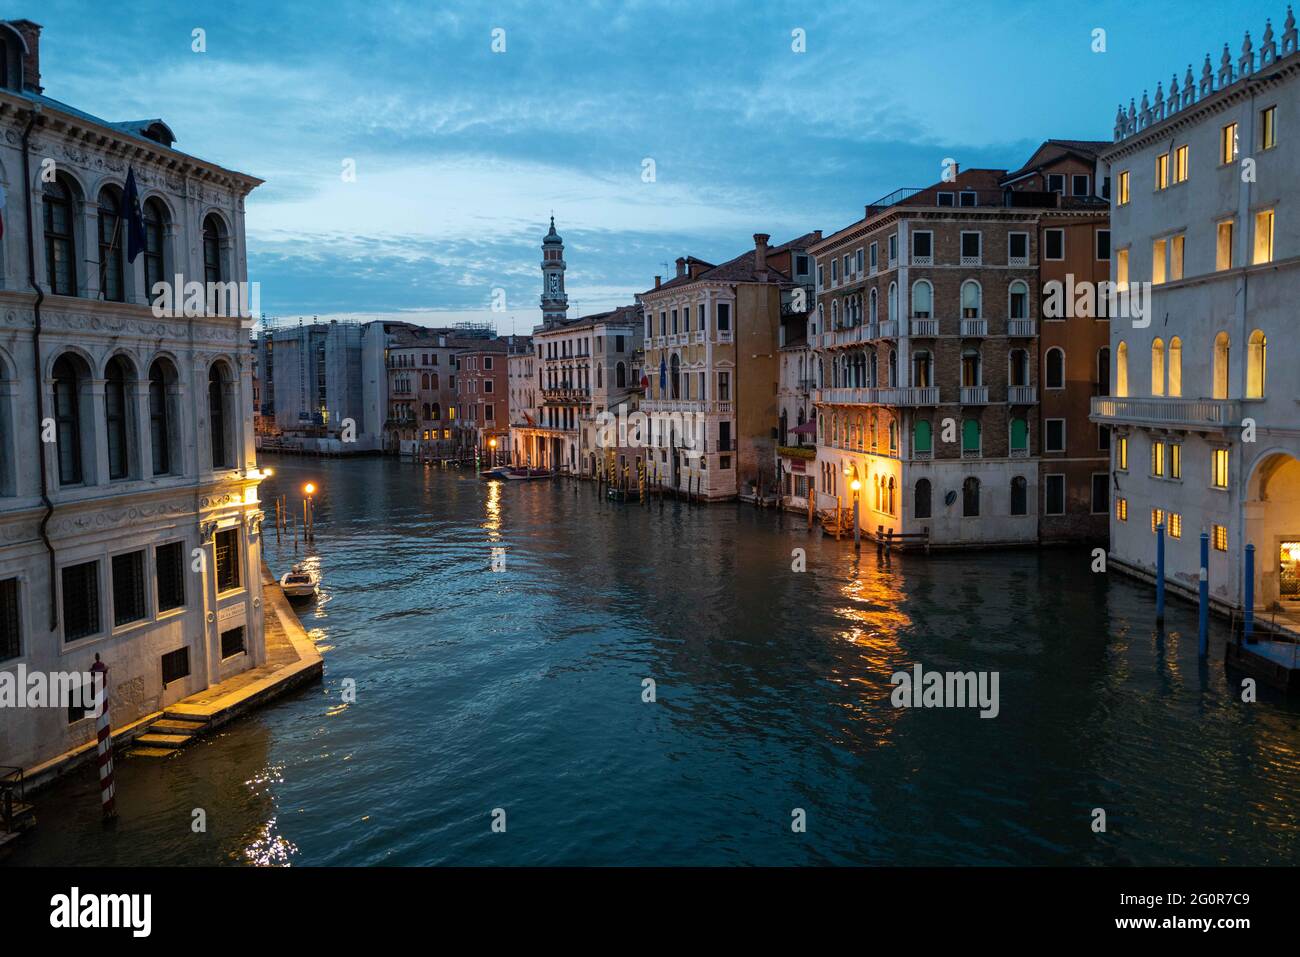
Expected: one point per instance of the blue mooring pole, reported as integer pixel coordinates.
(1203, 622)
(1160, 573)
(1249, 622)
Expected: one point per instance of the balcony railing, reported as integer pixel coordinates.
(1022, 394)
(888, 329)
(845, 396)
(974, 395)
(913, 396)
(928, 328)
(1022, 328)
(922, 260)
(1203, 414)
(974, 328)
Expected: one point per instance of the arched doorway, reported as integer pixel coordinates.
(1272, 519)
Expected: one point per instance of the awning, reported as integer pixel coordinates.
(808, 428)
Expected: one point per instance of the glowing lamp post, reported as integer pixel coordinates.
(308, 506)
(857, 540)
(492, 456)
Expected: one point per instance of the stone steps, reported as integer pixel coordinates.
(166, 736)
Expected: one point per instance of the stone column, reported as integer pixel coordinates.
(143, 427)
(98, 419)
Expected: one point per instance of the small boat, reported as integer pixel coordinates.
(299, 582)
(512, 474)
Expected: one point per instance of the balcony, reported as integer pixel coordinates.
(924, 328)
(974, 395)
(847, 396)
(922, 260)
(976, 260)
(912, 397)
(1203, 415)
(974, 328)
(1022, 328)
(888, 329)
(1017, 260)
(1022, 394)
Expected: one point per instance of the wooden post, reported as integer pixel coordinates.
(838, 519)
(880, 541)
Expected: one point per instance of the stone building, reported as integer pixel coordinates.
(1202, 404)
(933, 355)
(129, 513)
(711, 351)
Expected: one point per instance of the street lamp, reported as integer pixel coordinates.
(857, 532)
(492, 444)
(307, 512)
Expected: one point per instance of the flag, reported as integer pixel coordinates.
(134, 220)
(663, 375)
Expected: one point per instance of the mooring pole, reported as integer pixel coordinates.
(1248, 626)
(1160, 573)
(1203, 621)
(104, 740)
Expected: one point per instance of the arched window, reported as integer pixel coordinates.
(1157, 366)
(970, 438)
(214, 266)
(1121, 370)
(922, 300)
(155, 233)
(893, 438)
(971, 300)
(1054, 368)
(162, 380)
(970, 497)
(433, 380)
(1017, 367)
(893, 300)
(425, 408)
(1175, 364)
(112, 236)
(922, 436)
(821, 430)
(219, 419)
(872, 304)
(835, 313)
(70, 378)
(600, 377)
(1019, 437)
(1018, 300)
(117, 405)
(921, 499)
(1256, 354)
(970, 369)
(893, 368)
(620, 376)
(835, 435)
(60, 245)
(1019, 496)
(1103, 370)
(435, 412)
(890, 500)
(922, 369)
(1221, 356)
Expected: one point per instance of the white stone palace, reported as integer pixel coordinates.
(129, 514)
(1205, 178)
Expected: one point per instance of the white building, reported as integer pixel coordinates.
(1206, 180)
(134, 534)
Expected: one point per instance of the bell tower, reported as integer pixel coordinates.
(555, 301)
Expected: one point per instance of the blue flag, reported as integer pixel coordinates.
(134, 219)
(663, 376)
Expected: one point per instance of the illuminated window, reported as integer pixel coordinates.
(1121, 509)
(1219, 468)
(1180, 164)
(1158, 367)
(1121, 268)
(1175, 460)
(1268, 128)
(1121, 370)
(1157, 518)
(1219, 536)
(1175, 364)
(1256, 348)
(1162, 171)
(1228, 144)
(1219, 383)
(1175, 525)
(1264, 236)
(1158, 459)
(1121, 453)
(1223, 246)
(1176, 257)
(1159, 258)
(1123, 188)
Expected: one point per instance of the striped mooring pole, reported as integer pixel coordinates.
(104, 739)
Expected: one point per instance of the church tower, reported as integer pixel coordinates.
(555, 301)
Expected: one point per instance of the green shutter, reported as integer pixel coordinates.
(921, 442)
(970, 435)
(1019, 434)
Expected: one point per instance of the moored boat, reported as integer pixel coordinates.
(299, 582)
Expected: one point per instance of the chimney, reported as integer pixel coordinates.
(696, 268)
(760, 252)
(681, 266)
(657, 282)
(31, 34)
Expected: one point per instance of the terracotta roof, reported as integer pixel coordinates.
(740, 269)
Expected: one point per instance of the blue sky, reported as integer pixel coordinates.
(461, 153)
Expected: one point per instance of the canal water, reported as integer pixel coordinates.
(521, 688)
